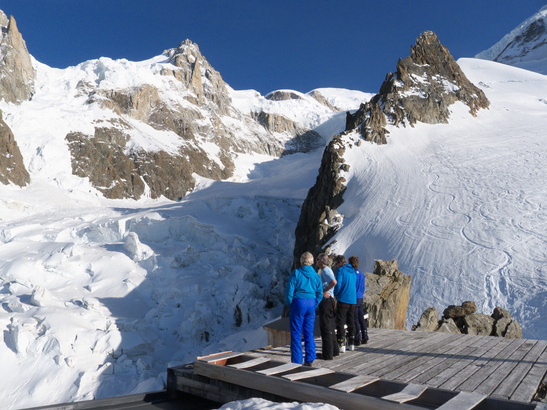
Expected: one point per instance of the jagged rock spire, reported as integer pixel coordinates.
(16, 70)
(425, 84)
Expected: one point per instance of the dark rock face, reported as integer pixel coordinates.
(16, 71)
(282, 95)
(12, 168)
(387, 295)
(16, 86)
(424, 86)
(319, 220)
(464, 319)
(117, 174)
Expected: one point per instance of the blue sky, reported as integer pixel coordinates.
(266, 44)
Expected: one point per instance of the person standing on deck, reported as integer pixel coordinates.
(327, 319)
(361, 332)
(303, 295)
(346, 297)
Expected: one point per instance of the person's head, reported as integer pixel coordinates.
(323, 260)
(306, 259)
(339, 260)
(354, 261)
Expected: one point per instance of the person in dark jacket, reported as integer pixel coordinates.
(303, 295)
(361, 332)
(346, 297)
(327, 318)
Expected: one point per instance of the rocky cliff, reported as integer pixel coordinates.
(12, 169)
(16, 70)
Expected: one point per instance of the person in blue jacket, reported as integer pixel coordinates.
(361, 332)
(345, 293)
(303, 295)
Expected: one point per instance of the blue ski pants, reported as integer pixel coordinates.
(302, 318)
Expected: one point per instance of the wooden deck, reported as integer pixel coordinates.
(396, 370)
(510, 369)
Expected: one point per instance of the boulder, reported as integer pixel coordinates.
(387, 295)
(479, 324)
(505, 326)
(429, 321)
(447, 326)
(464, 319)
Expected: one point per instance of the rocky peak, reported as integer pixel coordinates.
(425, 84)
(16, 70)
(198, 76)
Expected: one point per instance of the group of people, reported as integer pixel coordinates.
(338, 294)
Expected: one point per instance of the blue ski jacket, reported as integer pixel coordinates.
(345, 290)
(304, 283)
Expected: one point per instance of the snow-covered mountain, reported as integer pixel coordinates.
(99, 292)
(524, 47)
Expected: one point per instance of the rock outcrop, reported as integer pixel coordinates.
(465, 319)
(319, 219)
(424, 86)
(12, 168)
(387, 295)
(16, 70)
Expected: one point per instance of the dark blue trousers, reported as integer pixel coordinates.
(302, 317)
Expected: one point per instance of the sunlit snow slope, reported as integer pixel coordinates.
(461, 207)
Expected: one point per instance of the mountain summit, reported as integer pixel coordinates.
(524, 47)
(425, 84)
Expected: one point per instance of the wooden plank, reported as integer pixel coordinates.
(308, 374)
(468, 370)
(505, 369)
(463, 401)
(443, 370)
(428, 359)
(529, 385)
(410, 392)
(473, 382)
(219, 357)
(354, 383)
(279, 369)
(303, 392)
(375, 350)
(250, 363)
(408, 353)
(395, 356)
